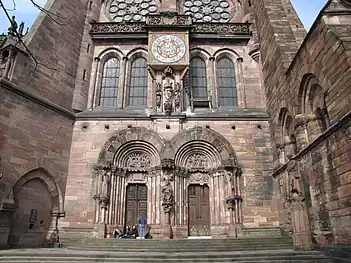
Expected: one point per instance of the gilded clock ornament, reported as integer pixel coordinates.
(168, 48)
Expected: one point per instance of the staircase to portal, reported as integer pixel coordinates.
(248, 250)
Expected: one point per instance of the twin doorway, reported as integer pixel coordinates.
(198, 207)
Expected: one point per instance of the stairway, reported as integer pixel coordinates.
(248, 250)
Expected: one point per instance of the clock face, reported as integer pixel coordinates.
(168, 48)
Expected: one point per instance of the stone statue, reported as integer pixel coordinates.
(13, 27)
(158, 94)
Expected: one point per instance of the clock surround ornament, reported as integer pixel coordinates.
(168, 48)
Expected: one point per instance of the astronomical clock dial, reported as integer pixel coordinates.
(168, 48)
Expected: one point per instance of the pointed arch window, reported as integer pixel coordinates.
(198, 79)
(137, 94)
(109, 83)
(226, 83)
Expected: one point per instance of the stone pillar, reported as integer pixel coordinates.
(300, 221)
(213, 84)
(6, 211)
(122, 83)
(241, 84)
(93, 88)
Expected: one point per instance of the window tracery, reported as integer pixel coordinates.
(109, 83)
(208, 10)
(131, 10)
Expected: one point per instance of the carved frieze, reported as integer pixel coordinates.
(136, 177)
(138, 160)
(102, 28)
(220, 28)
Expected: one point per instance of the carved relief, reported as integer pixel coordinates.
(138, 160)
(168, 19)
(197, 161)
(199, 178)
(167, 191)
(136, 177)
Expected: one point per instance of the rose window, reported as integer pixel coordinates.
(131, 10)
(208, 10)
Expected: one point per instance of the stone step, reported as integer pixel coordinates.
(70, 256)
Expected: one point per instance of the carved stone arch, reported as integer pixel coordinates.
(110, 53)
(199, 52)
(50, 183)
(137, 155)
(137, 52)
(307, 71)
(204, 140)
(136, 134)
(311, 94)
(226, 52)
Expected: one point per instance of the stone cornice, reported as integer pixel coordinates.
(4, 83)
(325, 135)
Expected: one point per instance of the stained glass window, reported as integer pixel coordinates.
(109, 83)
(137, 95)
(226, 83)
(198, 81)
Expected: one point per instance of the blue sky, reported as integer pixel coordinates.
(306, 9)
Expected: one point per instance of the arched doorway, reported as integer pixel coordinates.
(32, 217)
(136, 203)
(199, 210)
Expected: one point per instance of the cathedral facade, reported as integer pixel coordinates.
(211, 118)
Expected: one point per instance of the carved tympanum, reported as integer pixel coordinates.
(197, 161)
(138, 160)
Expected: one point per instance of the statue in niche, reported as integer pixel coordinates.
(167, 191)
(105, 194)
(170, 89)
(158, 94)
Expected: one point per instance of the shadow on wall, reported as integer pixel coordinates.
(32, 218)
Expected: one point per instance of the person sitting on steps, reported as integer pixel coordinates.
(117, 233)
(134, 232)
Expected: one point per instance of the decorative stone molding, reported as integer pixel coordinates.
(103, 28)
(167, 163)
(220, 28)
(168, 19)
(138, 160)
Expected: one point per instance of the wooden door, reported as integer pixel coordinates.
(136, 203)
(199, 210)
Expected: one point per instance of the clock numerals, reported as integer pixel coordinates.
(168, 48)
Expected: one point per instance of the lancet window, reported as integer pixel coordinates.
(109, 83)
(137, 95)
(226, 83)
